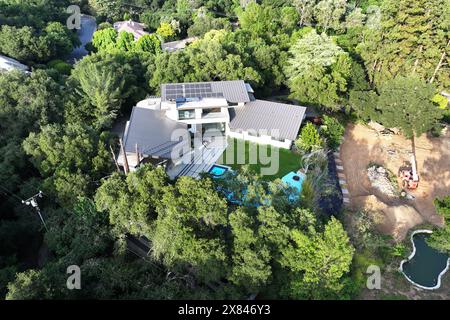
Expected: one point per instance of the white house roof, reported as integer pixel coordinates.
(152, 131)
(267, 115)
(11, 64)
(177, 45)
(136, 28)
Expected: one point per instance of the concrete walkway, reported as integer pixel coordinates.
(341, 176)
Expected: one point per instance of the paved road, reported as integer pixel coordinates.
(88, 27)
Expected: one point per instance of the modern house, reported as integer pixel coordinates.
(8, 64)
(225, 108)
(136, 28)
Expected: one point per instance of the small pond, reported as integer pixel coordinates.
(425, 266)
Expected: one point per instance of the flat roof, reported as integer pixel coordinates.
(233, 91)
(201, 103)
(152, 131)
(261, 115)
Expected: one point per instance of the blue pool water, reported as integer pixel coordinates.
(217, 170)
(427, 265)
(294, 180)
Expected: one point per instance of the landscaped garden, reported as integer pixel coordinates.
(288, 160)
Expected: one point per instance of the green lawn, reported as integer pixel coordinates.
(288, 161)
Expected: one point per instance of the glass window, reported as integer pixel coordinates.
(186, 114)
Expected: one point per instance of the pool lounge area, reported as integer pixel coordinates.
(293, 180)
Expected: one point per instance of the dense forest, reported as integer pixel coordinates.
(350, 60)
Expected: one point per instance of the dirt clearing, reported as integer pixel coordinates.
(364, 146)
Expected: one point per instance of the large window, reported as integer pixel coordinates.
(186, 114)
(209, 110)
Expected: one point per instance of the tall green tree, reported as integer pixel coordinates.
(70, 157)
(318, 71)
(412, 39)
(403, 102)
(131, 201)
(189, 229)
(318, 261)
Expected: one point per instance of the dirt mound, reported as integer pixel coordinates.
(394, 220)
(364, 146)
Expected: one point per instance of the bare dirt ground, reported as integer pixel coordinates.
(395, 286)
(364, 145)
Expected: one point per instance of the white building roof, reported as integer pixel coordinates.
(9, 64)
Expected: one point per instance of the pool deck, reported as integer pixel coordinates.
(198, 161)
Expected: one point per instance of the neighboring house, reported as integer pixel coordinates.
(8, 64)
(136, 28)
(228, 108)
(177, 45)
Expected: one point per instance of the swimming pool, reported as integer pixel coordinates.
(217, 170)
(425, 266)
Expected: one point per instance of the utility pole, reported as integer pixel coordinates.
(114, 158)
(33, 202)
(138, 158)
(126, 167)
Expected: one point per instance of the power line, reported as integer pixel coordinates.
(33, 202)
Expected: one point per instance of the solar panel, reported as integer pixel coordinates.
(190, 90)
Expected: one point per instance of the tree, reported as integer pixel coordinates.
(79, 234)
(70, 158)
(305, 9)
(318, 261)
(440, 238)
(333, 131)
(19, 43)
(166, 31)
(318, 71)
(205, 23)
(125, 41)
(131, 201)
(59, 39)
(258, 19)
(329, 13)
(149, 43)
(410, 40)
(104, 39)
(403, 102)
(309, 139)
(355, 18)
(188, 233)
(251, 257)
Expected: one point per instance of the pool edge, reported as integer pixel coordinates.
(438, 285)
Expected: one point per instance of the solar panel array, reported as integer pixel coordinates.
(190, 90)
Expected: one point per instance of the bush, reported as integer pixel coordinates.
(333, 131)
(309, 139)
(60, 66)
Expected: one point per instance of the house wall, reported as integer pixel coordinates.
(263, 139)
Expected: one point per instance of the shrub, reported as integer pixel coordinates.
(60, 66)
(333, 131)
(309, 139)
